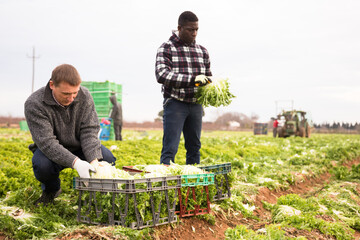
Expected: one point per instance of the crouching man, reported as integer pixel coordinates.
(64, 126)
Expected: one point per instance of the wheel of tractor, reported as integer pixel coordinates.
(281, 133)
(308, 132)
(302, 132)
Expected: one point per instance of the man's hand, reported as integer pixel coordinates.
(83, 168)
(202, 80)
(96, 163)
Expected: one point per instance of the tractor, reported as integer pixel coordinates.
(294, 123)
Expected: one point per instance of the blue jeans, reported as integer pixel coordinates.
(47, 171)
(181, 117)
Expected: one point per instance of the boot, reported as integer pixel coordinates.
(47, 197)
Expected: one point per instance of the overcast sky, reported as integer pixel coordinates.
(276, 54)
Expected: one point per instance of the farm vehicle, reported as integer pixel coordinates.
(294, 123)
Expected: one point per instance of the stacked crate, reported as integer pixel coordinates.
(101, 92)
(194, 195)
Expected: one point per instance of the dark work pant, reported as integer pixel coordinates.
(117, 130)
(181, 117)
(47, 171)
(274, 132)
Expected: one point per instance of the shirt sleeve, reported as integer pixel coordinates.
(165, 73)
(90, 127)
(43, 135)
(207, 62)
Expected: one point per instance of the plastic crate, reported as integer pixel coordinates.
(23, 126)
(194, 188)
(101, 101)
(101, 110)
(191, 186)
(202, 179)
(101, 94)
(221, 180)
(191, 196)
(108, 86)
(197, 180)
(88, 85)
(132, 203)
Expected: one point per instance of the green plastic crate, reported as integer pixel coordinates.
(193, 185)
(23, 126)
(88, 85)
(107, 86)
(104, 85)
(101, 94)
(197, 180)
(102, 102)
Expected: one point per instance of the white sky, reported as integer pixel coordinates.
(302, 52)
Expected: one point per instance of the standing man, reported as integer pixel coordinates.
(275, 126)
(180, 65)
(64, 126)
(116, 116)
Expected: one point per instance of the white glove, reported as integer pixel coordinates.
(95, 163)
(83, 168)
(200, 80)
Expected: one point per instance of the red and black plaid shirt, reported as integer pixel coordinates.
(177, 65)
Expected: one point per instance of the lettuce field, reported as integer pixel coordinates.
(281, 188)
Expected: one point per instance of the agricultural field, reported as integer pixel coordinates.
(281, 188)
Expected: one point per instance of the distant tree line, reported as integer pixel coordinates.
(244, 120)
(338, 125)
(247, 122)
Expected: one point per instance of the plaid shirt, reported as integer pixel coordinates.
(177, 65)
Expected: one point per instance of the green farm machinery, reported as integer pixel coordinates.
(294, 123)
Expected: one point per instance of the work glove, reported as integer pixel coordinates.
(201, 80)
(95, 163)
(83, 168)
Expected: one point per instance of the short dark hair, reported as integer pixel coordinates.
(186, 17)
(65, 73)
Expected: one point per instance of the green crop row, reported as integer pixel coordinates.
(257, 161)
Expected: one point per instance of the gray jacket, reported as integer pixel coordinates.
(116, 112)
(58, 131)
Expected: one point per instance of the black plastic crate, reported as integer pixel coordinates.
(221, 179)
(133, 203)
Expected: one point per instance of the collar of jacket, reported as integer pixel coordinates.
(49, 99)
(177, 41)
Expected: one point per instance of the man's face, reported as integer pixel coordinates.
(64, 93)
(188, 32)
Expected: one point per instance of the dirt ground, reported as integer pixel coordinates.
(193, 228)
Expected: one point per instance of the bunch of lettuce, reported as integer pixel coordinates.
(215, 94)
(172, 169)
